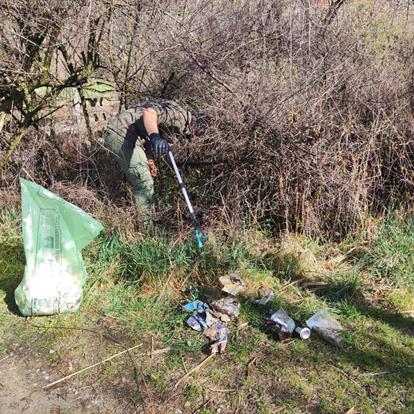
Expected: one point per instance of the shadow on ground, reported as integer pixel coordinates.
(12, 261)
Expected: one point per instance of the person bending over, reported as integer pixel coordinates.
(137, 134)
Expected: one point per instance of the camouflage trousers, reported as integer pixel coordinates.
(134, 163)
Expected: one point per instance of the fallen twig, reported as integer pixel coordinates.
(223, 390)
(203, 405)
(201, 364)
(91, 366)
(311, 284)
(152, 346)
(184, 366)
(348, 376)
(156, 352)
(251, 362)
(288, 285)
(374, 374)
(3, 359)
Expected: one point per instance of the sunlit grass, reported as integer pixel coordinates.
(135, 289)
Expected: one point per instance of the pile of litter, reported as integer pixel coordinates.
(205, 319)
(323, 323)
(212, 319)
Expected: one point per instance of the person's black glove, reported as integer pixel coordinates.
(159, 146)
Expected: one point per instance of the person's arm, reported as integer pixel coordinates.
(159, 145)
(150, 118)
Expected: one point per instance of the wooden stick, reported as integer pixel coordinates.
(287, 285)
(156, 352)
(223, 390)
(201, 364)
(152, 346)
(91, 366)
(3, 359)
(252, 361)
(374, 374)
(182, 360)
(201, 407)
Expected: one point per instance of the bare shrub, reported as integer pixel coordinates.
(313, 120)
(311, 103)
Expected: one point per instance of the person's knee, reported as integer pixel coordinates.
(142, 181)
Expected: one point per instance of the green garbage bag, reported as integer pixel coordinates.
(54, 233)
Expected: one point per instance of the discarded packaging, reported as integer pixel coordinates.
(329, 335)
(323, 319)
(232, 284)
(54, 233)
(222, 316)
(283, 320)
(201, 317)
(196, 305)
(304, 333)
(228, 306)
(217, 332)
(203, 320)
(265, 296)
(196, 323)
(324, 324)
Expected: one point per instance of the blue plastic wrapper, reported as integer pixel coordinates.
(197, 306)
(197, 322)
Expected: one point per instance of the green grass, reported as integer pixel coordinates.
(135, 289)
(392, 254)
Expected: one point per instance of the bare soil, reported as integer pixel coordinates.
(22, 378)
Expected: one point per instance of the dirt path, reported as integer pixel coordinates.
(21, 382)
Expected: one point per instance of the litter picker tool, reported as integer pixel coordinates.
(199, 232)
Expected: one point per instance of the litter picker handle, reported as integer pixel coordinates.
(200, 236)
(180, 182)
